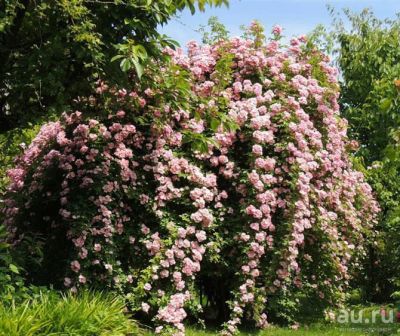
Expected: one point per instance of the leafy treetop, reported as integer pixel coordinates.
(51, 51)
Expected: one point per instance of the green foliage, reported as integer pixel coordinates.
(11, 281)
(214, 31)
(370, 62)
(132, 56)
(49, 314)
(254, 32)
(51, 52)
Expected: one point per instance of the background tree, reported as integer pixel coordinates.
(53, 51)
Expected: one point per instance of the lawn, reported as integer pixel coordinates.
(286, 332)
(317, 330)
(378, 327)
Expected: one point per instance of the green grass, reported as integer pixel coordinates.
(88, 314)
(282, 332)
(331, 330)
(312, 330)
(378, 328)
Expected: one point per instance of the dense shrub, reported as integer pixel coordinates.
(369, 59)
(11, 281)
(222, 176)
(88, 314)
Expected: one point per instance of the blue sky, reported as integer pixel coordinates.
(296, 16)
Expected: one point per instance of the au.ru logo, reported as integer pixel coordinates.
(366, 316)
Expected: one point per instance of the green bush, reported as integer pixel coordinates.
(369, 60)
(51, 314)
(11, 281)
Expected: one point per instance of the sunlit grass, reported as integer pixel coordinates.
(86, 314)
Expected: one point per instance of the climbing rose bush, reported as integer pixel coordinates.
(223, 176)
